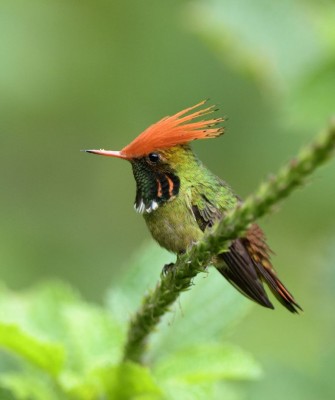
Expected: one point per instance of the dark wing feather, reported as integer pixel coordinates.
(206, 214)
(247, 263)
(240, 271)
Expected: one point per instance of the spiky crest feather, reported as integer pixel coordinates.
(174, 130)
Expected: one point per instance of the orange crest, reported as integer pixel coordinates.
(172, 131)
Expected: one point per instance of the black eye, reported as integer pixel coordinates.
(153, 157)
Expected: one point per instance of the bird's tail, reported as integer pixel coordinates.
(247, 266)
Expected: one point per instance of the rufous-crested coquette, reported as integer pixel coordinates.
(180, 199)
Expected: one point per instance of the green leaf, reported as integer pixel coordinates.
(128, 381)
(207, 363)
(53, 311)
(185, 391)
(207, 312)
(93, 338)
(91, 335)
(206, 390)
(46, 355)
(38, 310)
(123, 382)
(27, 386)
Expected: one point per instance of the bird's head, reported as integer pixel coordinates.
(162, 152)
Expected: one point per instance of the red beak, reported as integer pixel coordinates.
(108, 153)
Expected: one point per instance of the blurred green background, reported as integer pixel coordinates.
(84, 74)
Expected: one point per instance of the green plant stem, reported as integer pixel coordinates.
(156, 303)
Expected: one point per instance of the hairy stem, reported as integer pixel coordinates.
(156, 303)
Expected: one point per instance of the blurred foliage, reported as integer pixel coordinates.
(87, 74)
(288, 49)
(58, 346)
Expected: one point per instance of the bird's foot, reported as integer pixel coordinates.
(167, 269)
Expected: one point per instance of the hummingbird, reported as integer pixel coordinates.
(180, 200)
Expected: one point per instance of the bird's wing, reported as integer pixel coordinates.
(247, 263)
(205, 213)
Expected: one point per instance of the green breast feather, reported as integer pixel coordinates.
(179, 223)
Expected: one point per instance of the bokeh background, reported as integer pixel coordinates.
(94, 74)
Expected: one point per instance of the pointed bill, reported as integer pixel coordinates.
(108, 153)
